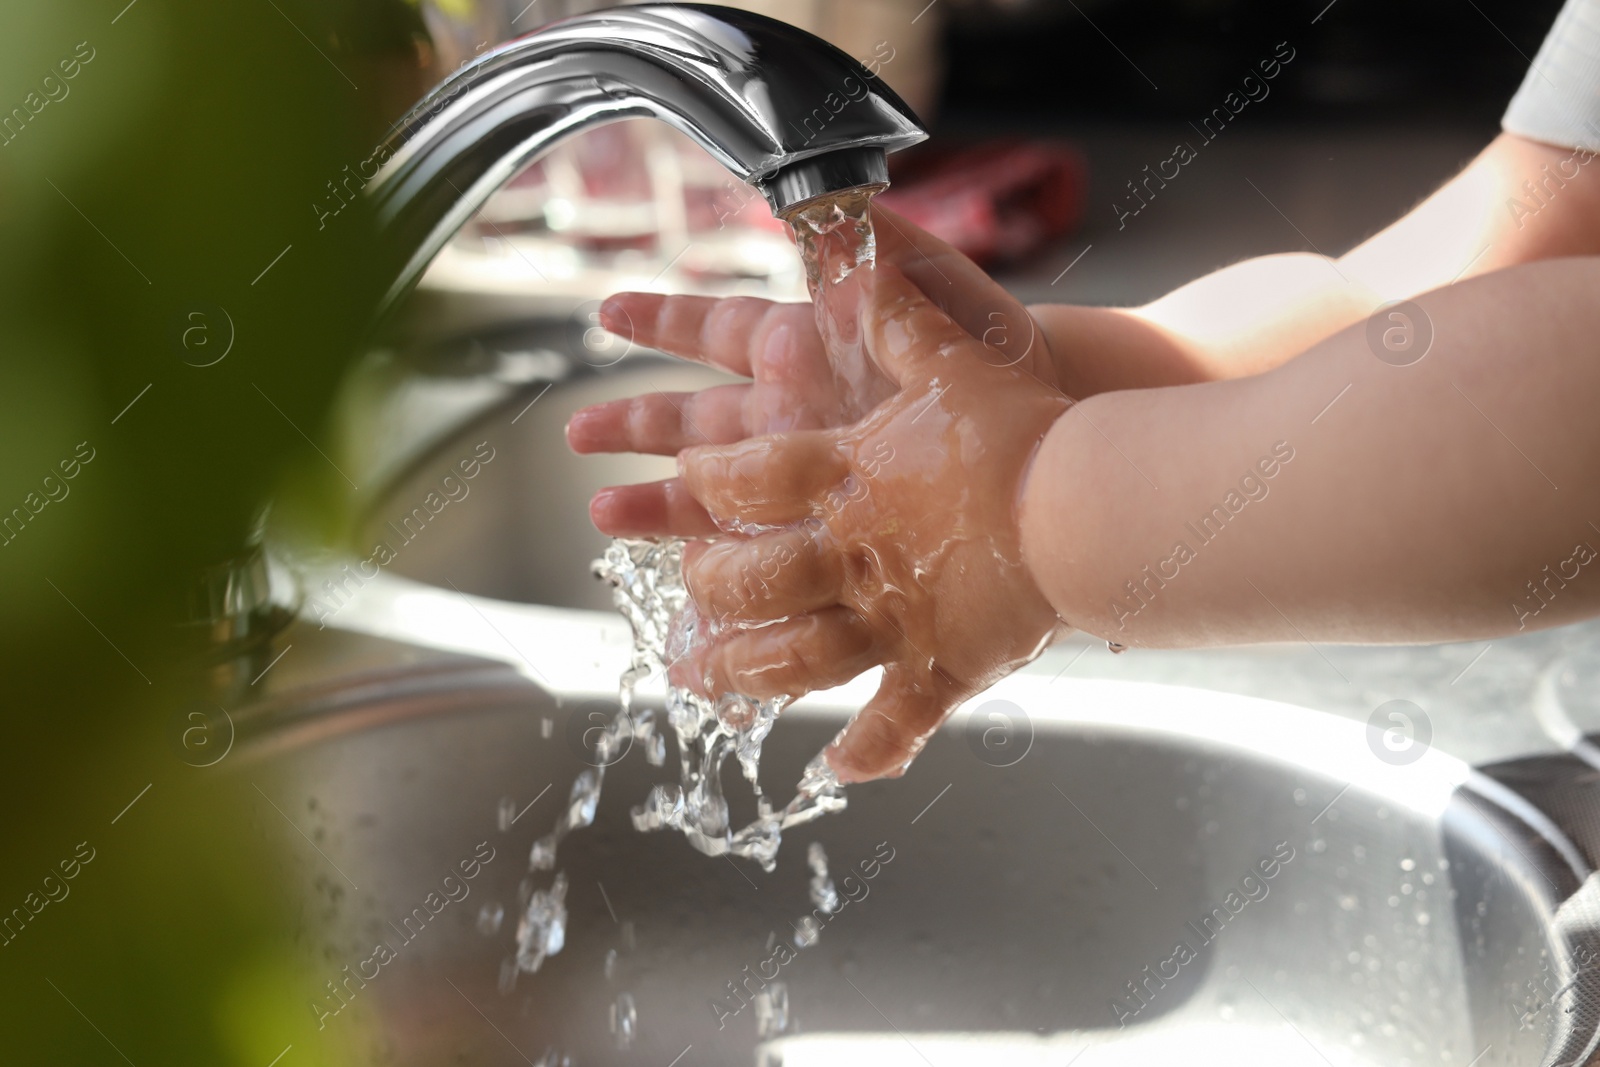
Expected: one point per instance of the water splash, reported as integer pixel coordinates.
(772, 1011)
(542, 930)
(581, 804)
(836, 240)
(624, 1021)
(647, 583)
(807, 932)
(824, 897)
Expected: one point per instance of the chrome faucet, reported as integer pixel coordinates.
(780, 108)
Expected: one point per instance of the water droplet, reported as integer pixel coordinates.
(542, 857)
(490, 916)
(772, 1011)
(504, 813)
(806, 932)
(624, 1021)
(542, 930)
(508, 976)
(583, 799)
(824, 897)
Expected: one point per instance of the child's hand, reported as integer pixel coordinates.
(794, 386)
(897, 542)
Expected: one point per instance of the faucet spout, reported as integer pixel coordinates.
(780, 108)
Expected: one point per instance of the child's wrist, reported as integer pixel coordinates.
(1036, 515)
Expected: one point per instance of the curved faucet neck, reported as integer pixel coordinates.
(781, 109)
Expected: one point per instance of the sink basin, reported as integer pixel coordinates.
(522, 532)
(1022, 913)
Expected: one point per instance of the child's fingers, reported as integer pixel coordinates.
(730, 333)
(661, 424)
(789, 658)
(891, 729)
(906, 333)
(768, 481)
(965, 292)
(651, 509)
(757, 579)
(932, 264)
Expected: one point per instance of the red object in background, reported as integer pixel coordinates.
(995, 201)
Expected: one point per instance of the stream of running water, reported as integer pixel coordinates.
(835, 238)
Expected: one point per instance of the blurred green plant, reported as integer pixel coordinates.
(174, 173)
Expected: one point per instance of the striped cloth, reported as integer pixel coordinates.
(1559, 101)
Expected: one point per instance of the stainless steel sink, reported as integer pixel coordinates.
(522, 531)
(1017, 914)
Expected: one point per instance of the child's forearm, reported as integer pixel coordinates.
(1340, 497)
(1238, 321)
(1517, 202)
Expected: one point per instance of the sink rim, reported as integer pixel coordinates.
(466, 675)
(500, 660)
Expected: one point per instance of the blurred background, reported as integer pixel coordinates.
(186, 292)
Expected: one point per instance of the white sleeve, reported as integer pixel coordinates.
(1559, 101)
